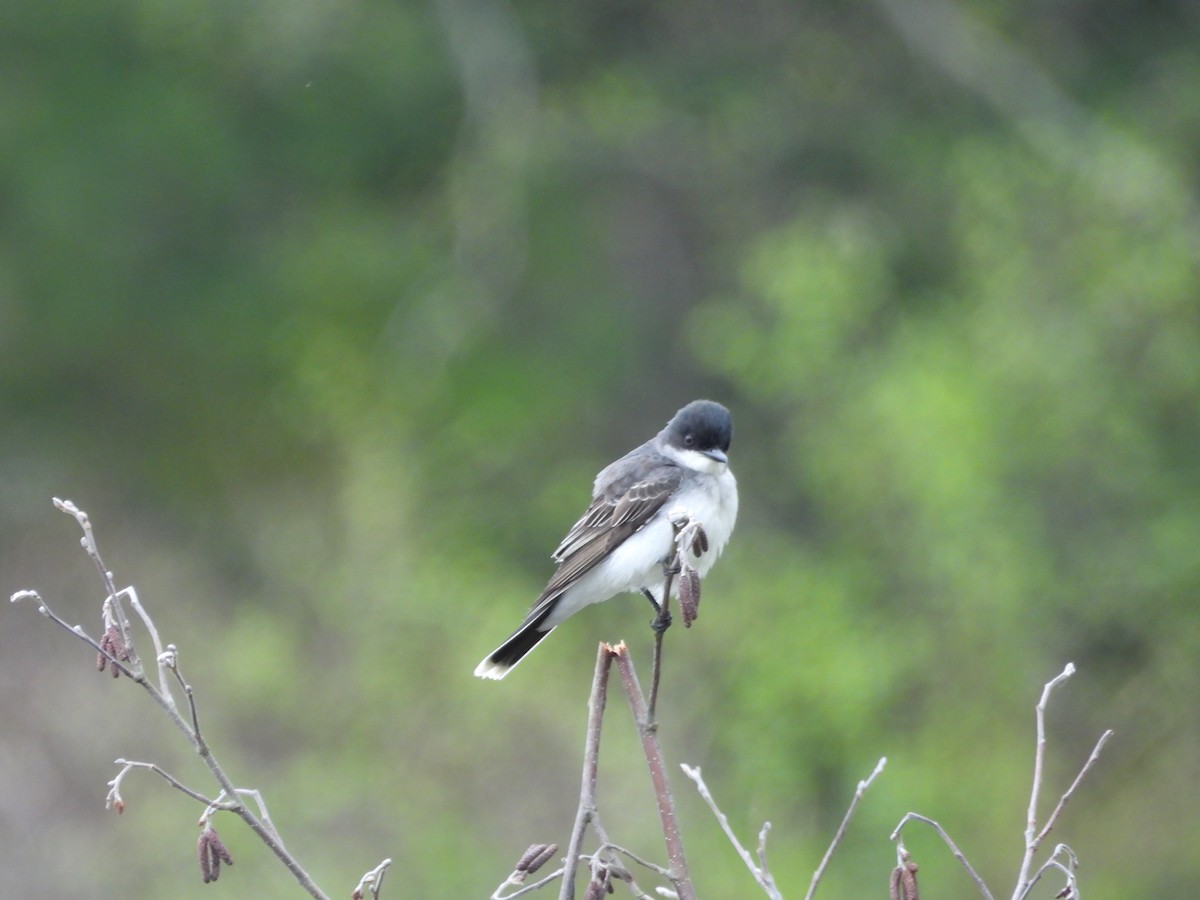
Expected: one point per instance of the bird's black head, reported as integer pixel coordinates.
(704, 427)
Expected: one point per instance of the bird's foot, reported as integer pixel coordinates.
(661, 622)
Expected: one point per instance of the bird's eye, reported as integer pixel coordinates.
(688, 440)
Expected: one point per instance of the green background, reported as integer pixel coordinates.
(328, 312)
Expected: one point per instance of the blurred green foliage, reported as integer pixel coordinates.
(329, 312)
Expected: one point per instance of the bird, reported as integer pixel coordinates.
(624, 540)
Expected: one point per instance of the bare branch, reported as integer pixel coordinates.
(1091, 761)
(1038, 759)
(762, 846)
(1034, 838)
(164, 685)
(591, 756)
(77, 630)
(372, 881)
(121, 656)
(644, 863)
(1071, 889)
(680, 877)
(761, 875)
(499, 894)
(224, 803)
(760, 872)
(605, 867)
(841, 832)
(115, 801)
(113, 601)
(958, 854)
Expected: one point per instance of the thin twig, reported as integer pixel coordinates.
(605, 857)
(223, 802)
(77, 630)
(135, 671)
(1068, 871)
(371, 881)
(88, 541)
(264, 814)
(760, 873)
(1032, 838)
(168, 660)
(656, 664)
(1026, 882)
(608, 849)
(958, 854)
(1091, 761)
(762, 846)
(841, 832)
(644, 863)
(131, 594)
(1039, 754)
(534, 857)
(115, 801)
(591, 756)
(680, 877)
(499, 894)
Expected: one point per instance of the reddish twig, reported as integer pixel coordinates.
(680, 877)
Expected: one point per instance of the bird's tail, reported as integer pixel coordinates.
(512, 651)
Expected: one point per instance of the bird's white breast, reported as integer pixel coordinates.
(637, 562)
(713, 502)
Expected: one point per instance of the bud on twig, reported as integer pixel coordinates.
(112, 644)
(903, 885)
(534, 858)
(598, 886)
(689, 595)
(212, 853)
(371, 882)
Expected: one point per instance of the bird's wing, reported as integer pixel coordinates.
(620, 511)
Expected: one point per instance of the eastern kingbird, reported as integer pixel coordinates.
(627, 534)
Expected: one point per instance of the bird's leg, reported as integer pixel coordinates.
(672, 565)
(649, 596)
(662, 621)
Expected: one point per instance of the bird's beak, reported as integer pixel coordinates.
(717, 455)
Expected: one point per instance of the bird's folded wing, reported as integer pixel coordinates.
(609, 521)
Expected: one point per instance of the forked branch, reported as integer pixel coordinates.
(1033, 836)
(116, 651)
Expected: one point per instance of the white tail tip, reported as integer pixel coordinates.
(490, 670)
